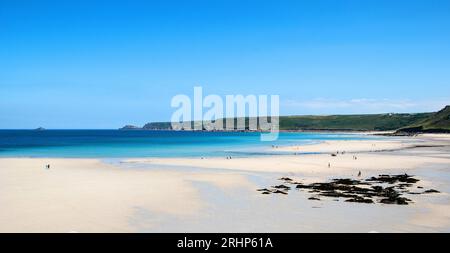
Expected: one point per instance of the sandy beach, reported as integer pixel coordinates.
(219, 194)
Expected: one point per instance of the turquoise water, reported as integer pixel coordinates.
(116, 144)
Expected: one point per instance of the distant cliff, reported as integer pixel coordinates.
(406, 122)
(157, 126)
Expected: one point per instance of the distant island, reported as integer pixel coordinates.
(130, 127)
(39, 129)
(401, 123)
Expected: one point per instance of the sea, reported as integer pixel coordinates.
(142, 143)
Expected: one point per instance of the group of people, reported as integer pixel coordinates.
(343, 152)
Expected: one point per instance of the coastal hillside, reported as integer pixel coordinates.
(438, 122)
(363, 122)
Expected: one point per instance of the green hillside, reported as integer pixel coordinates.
(363, 122)
(405, 122)
(438, 122)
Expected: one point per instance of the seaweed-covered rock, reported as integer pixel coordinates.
(395, 200)
(359, 200)
(365, 191)
(404, 178)
(280, 192)
(347, 181)
(282, 186)
(431, 191)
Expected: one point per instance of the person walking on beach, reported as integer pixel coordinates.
(329, 165)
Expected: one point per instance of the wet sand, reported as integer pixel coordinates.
(219, 194)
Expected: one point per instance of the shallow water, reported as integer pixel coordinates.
(116, 143)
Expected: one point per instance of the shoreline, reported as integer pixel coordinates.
(219, 194)
(293, 148)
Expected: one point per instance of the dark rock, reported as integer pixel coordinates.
(395, 200)
(347, 181)
(332, 194)
(359, 200)
(282, 186)
(280, 192)
(404, 178)
(377, 188)
(361, 191)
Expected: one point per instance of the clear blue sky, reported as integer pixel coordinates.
(103, 64)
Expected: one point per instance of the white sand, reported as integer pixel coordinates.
(347, 146)
(87, 195)
(313, 164)
(217, 194)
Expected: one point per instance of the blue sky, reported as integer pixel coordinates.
(103, 64)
